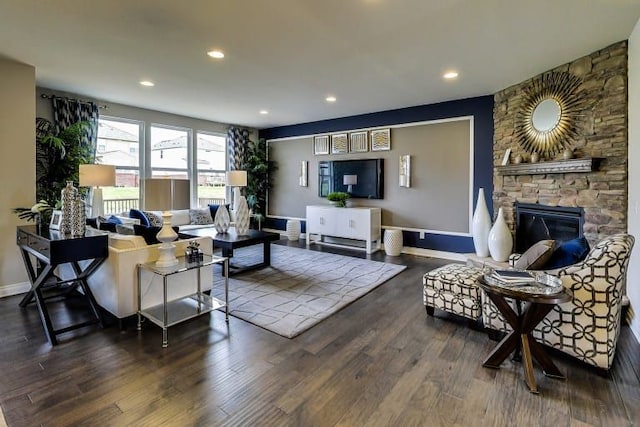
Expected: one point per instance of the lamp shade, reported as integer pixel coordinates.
(236, 178)
(166, 194)
(96, 175)
(350, 179)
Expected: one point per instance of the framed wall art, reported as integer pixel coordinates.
(321, 144)
(381, 140)
(339, 144)
(358, 142)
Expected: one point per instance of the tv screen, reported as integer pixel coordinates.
(363, 179)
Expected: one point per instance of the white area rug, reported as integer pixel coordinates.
(301, 287)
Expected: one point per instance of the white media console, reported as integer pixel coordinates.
(359, 224)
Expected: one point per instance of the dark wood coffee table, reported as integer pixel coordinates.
(523, 323)
(231, 240)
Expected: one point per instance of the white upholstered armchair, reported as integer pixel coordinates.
(588, 326)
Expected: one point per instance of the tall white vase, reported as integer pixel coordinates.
(481, 225)
(500, 239)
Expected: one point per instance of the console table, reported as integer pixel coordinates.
(348, 223)
(42, 251)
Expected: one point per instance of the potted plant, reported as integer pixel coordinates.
(338, 198)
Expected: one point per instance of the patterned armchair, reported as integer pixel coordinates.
(588, 326)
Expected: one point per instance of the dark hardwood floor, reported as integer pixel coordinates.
(380, 361)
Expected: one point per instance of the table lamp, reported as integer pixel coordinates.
(166, 194)
(238, 179)
(350, 181)
(94, 176)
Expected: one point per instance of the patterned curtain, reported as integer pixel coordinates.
(70, 111)
(237, 140)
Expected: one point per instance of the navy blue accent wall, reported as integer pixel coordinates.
(481, 108)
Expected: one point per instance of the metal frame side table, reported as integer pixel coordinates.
(169, 313)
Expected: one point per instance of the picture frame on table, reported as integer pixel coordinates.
(56, 220)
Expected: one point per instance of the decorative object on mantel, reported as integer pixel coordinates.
(321, 144)
(339, 143)
(587, 164)
(567, 154)
(505, 158)
(358, 142)
(518, 159)
(548, 122)
(381, 140)
(222, 221)
(500, 240)
(405, 171)
(481, 225)
(535, 157)
(302, 179)
(166, 235)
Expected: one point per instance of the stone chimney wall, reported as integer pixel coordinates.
(604, 133)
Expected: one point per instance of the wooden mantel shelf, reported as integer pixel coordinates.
(587, 164)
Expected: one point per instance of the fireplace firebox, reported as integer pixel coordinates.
(535, 222)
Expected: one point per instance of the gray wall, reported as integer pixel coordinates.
(439, 197)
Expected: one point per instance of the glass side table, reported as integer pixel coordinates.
(171, 312)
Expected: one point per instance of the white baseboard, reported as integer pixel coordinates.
(14, 289)
(454, 256)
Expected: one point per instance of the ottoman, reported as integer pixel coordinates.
(452, 288)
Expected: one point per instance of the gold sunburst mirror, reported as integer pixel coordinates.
(547, 124)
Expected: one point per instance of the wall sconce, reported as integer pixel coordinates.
(302, 179)
(350, 181)
(405, 171)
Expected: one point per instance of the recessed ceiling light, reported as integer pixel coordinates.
(450, 75)
(264, 112)
(216, 54)
(330, 99)
(147, 83)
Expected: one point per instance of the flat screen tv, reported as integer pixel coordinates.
(363, 178)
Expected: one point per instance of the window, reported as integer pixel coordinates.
(170, 152)
(211, 161)
(118, 144)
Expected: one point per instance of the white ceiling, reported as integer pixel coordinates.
(286, 56)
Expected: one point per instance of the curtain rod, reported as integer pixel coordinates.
(45, 96)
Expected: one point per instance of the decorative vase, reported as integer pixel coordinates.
(481, 225)
(500, 239)
(293, 229)
(242, 217)
(79, 219)
(222, 220)
(68, 196)
(535, 157)
(567, 154)
(393, 242)
(166, 235)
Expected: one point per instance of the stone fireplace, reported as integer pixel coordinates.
(599, 191)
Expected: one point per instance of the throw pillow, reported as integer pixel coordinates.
(126, 229)
(214, 208)
(200, 216)
(568, 253)
(155, 220)
(149, 233)
(536, 256)
(107, 226)
(139, 215)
